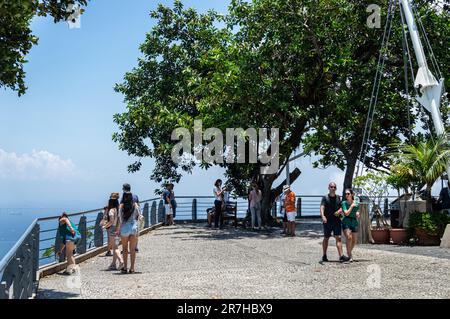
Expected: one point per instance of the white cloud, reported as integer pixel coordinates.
(39, 165)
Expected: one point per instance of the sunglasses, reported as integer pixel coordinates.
(347, 193)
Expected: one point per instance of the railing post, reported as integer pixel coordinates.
(161, 214)
(194, 209)
(82, 228)
(153, 214)
(145, 213)
(3, 290)
(98, 231)
(299, 207)
(35, 249)
(58, 243)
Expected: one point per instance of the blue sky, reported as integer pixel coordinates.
(55, 141)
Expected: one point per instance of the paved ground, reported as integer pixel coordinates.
(191, 261)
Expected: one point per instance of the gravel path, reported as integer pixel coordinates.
(191, 261)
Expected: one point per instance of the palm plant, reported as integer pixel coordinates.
(424, 162)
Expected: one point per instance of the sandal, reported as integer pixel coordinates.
(131, 271)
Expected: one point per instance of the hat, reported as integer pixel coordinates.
(285, 188)
(114, 196)
(126, 187)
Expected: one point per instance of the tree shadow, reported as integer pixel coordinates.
(54, 294)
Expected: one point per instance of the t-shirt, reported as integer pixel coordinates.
(113, 216)
(256, 197)
(289, 202)
(166, 196)
(331, 205)
(133, 217)
(215, 191)
(346, 206)
(135, 198)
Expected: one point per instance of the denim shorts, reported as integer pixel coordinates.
(130, 228)
(334, 228)
(75, 239)
(350, 223)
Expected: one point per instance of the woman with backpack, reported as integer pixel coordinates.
(128, 229)
(70, 236)
(111, 224)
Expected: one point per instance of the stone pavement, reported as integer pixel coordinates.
(191, 261)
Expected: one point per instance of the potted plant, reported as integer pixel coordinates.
(427, 228)
(375, 186)
(399, 178)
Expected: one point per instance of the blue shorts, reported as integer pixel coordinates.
(334, 228)
(130, 228)
(353, 227)
(75, 239)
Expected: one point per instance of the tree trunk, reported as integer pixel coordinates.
(270, 194)
(349, 172)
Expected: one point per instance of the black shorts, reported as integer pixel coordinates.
(334, 228)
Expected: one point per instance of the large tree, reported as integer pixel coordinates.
(17, 39)
(337, 136)
(270, 64)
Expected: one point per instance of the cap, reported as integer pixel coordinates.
(285, 188)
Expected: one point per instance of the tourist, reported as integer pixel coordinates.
(126, 188)
(281, 213)
(70, 236)
(255, 198)
(173, 202)
(168, 205)
(289, 204)
(218, 200)
(350, 213)
(329, 205)
(111, 226)
(109, 253)
(128, 229)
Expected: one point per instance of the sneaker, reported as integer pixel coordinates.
(324, 258)
(350, 259)
(343, 258)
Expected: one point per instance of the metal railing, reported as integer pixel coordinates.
(18, 269)
(36, 248)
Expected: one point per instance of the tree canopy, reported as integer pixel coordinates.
(17, 39)
(265, 64)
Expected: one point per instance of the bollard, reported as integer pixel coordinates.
(194, 210)
(299, 207)
(98, 231)
(145, 213)
(82, 228)
(153, 214)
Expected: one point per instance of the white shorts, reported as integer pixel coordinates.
(290, 216)
(168, 209)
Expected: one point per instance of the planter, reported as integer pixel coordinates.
(425, 239)
(380, 236)
(399, 236)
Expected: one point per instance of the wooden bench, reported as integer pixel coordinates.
(228, 213)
